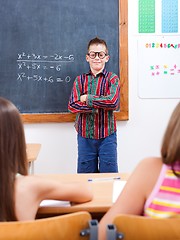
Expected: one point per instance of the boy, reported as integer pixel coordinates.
(94, 97)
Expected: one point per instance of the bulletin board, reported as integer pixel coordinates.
(159, 67)
(158, 48)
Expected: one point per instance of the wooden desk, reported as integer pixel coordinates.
(32, 154)
(102, 191)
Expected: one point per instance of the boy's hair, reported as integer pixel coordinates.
(95, 41)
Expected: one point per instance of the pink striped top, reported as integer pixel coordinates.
(164, 200)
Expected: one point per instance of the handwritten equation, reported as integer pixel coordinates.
(42, 68)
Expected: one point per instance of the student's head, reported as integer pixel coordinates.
(13, 157)
(97, 54)
(170, 150)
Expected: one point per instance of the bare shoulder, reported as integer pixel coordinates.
(147, 173)
(147, 168)
(28, 178)
(150, 164)
(30, 182)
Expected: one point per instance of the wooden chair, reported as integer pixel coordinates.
(131, 227)
(73, 226)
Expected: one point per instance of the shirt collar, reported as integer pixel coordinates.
(104, 72)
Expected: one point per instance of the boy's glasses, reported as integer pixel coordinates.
(101, 55)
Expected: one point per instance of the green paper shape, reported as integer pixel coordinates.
(146, 18)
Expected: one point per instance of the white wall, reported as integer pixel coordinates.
(137, 138)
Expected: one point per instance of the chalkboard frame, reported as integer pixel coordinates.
(121, 115)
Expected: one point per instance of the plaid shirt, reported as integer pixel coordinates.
(95, 119)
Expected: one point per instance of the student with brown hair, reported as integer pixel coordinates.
(153, 189)
(20, 193)
(94, 97)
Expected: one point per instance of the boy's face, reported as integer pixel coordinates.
(97, 57)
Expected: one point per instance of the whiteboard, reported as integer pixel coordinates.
(159, 67)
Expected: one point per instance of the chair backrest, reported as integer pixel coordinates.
(131, 227)
(63, 227)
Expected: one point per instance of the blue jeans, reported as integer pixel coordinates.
(97, 155)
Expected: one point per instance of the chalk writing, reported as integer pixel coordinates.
(29, 65)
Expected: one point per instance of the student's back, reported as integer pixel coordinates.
(153, 188)
(20, 194)
(164, 200)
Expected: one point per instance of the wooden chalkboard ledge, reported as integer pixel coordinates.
(61, 117)
(48, 118)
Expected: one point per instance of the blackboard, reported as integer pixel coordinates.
(42, 49)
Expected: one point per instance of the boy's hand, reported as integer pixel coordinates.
(83, 98)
